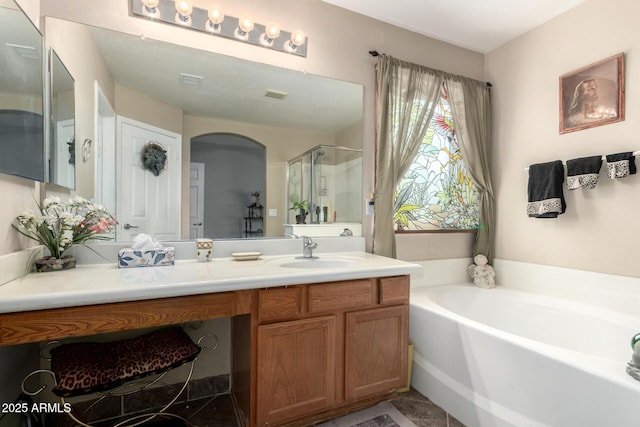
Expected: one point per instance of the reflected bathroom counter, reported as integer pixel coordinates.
(106, 283)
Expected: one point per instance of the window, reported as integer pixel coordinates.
(436, 193)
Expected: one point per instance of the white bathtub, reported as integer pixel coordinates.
(506, 357)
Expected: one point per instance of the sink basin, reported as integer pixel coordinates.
(319, 263)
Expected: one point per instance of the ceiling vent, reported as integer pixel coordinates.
(190, 79)
(26, 52)
(276, 94)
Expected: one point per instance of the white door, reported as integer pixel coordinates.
(196, 201)
(147, 203)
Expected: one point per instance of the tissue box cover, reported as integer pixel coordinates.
(128, 257)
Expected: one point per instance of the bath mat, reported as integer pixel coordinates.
(383, 414)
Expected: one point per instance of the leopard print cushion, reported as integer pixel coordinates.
(89, 367)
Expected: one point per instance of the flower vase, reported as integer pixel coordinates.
(301, 218)
(49, 263)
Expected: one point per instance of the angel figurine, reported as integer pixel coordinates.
(482, 273)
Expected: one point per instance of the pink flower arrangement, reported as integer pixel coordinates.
(58, 224)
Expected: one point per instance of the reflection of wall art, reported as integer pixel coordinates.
(71, 142)
(593, 95)
(154, 157)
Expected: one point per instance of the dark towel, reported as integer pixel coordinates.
(621, 164)
(583, 172)
(546, 199)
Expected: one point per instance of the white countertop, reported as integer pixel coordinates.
(105, 283)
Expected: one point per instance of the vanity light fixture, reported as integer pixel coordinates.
(213, 21)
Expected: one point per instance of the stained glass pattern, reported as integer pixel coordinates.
(436, 192)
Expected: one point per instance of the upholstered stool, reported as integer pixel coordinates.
(103, 367)
(89, 367)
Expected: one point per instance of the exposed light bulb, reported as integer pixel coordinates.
(184, 8)
(297, 39)
(271, 32)
(245, 26)
(216, 16)
(150, 8)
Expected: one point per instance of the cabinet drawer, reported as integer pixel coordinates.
(394, 290)
(279, 303)
(340, 295)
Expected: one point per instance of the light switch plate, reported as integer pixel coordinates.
(370, 207)
(273, 212)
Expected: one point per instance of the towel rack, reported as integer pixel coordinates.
(604, 159)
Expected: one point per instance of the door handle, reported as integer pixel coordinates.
(129, 226)
(199, 223)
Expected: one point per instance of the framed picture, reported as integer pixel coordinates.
(593, 95)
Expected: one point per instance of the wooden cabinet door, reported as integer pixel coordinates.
(376, 343)
(296, 369)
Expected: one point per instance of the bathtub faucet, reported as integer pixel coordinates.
(308, 246)
(633, 367)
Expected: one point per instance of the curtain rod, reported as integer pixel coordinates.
(375, 53)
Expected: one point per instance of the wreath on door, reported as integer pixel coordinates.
(154, 157)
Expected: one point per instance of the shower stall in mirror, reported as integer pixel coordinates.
(324, 187)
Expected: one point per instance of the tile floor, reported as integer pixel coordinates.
(218, 411)
(416, 407)
(423, 412)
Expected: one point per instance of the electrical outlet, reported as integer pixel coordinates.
(273, 212)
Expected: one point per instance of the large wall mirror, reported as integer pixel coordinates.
(21, 92)
(151, 91)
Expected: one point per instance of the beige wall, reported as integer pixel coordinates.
(350, 136)
(597, 232)
(31, 8)
(434, 246)
(20, 194)
(139, 106)
(14, 101)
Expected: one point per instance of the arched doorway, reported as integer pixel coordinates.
(234, 167)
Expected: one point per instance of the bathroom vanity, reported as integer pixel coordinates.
(309, 342)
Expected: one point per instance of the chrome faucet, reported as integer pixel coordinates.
(308, 246)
